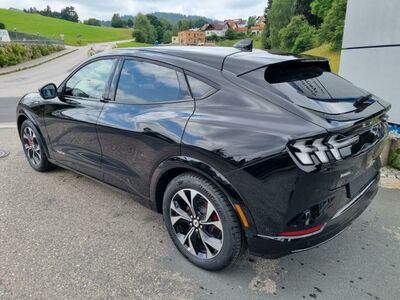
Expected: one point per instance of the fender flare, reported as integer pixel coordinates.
(28, 115)
(191, 164)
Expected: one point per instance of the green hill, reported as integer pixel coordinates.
(74, 33)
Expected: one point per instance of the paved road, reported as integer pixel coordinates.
(13, 86)
(65, 236)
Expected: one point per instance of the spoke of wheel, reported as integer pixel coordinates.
(184, 238)
(213, 242)
(181, 215)
(191, 249)
(210, 209)
(182, 194)
(209, 254)
(217, 224)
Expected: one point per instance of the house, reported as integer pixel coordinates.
(175, 40)
(218, 29)
(191, 37)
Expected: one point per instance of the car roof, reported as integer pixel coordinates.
(230, 59)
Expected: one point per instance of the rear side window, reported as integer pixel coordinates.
(147, 83)
(199, 88)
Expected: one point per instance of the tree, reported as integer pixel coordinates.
(142, 24)
(92, 22)
(278, 17)
(167, 37)
(230, 34)
(251, 21)
(47, 12)
(139, 36)
(331, 30)
(158, 26)
(303, 7)
(68, 13)
(2, 26)
(129, 23)
(320, 8)
(117, 21)
(297, 36)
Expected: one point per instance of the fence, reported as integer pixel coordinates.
(25, 38)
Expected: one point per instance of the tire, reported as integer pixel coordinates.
(33, 146)
(219, 239)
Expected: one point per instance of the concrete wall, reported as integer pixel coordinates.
(371, 49)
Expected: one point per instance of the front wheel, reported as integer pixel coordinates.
(34, 147)
(202, 223)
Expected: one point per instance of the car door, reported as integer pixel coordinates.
(144, 123)
(71, 118)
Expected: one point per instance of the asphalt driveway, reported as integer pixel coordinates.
(65, 236)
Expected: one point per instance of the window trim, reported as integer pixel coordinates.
(63, 85)
(118, 72)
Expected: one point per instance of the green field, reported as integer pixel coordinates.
(74, 33)
(324, 51)
(132, 44)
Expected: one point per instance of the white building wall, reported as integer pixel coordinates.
(371, 49)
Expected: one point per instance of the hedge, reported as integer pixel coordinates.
(13, 54)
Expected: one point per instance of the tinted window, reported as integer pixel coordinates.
(199, 88)
(145, 83)
(91, 80)
(310, 85)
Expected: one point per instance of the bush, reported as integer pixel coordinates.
(2, 26)
(297, 36)
(139, 36)
(12, 54)
(230, 34)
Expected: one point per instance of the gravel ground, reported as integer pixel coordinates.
(67, 237)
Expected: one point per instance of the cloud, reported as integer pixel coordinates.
(220, 9)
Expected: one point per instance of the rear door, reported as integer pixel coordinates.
(144, 123)
(71, 119)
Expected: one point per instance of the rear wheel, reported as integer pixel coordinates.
(202, 222)
(34, 147)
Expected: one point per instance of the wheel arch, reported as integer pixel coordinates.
(21, 118)
(175, 166)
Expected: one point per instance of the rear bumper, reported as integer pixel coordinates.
(276, 246)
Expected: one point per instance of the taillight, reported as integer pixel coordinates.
(322, 150)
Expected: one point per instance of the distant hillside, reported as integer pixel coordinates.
(172, 17)
(74, 33)
(175, 17)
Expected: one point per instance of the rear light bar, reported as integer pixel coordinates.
(303, 232)
(322, 150)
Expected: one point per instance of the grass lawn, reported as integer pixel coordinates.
(132, 44)
(324, 51)
(74, 33)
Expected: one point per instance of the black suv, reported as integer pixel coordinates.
(237, 148)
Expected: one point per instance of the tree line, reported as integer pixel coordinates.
(299, 25)
(68, 13)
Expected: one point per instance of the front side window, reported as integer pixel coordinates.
(146, 83)
(91, 80)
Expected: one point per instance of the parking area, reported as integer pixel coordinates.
(65, 236)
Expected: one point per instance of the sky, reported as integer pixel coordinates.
(215, 9)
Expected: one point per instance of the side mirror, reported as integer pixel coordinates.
(49, 91)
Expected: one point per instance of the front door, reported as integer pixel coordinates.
(71, 118)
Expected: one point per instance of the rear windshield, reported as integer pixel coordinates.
(313, 86)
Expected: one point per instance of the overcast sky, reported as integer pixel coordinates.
(103, 9)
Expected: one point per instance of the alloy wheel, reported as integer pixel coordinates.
(196, 223)
(31, 145)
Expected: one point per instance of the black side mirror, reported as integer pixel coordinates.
(49, 91)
